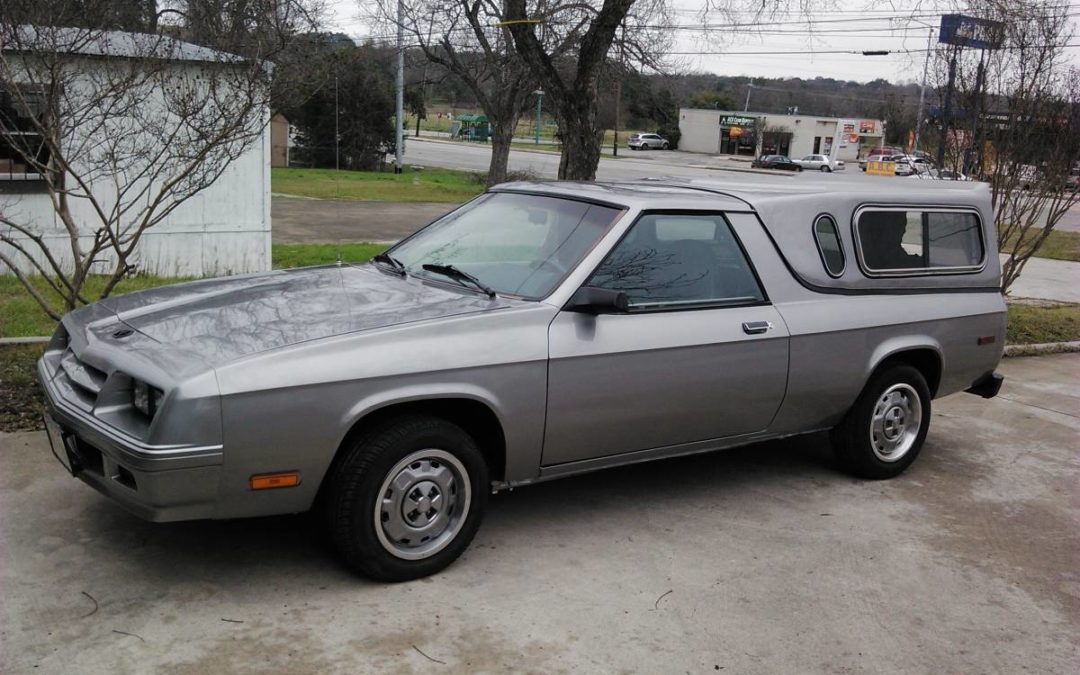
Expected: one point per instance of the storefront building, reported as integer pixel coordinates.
(751, 134)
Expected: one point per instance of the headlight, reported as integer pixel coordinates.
(145, 398)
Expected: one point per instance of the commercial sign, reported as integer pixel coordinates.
(878, 168)
(737, 121)
(969, 31)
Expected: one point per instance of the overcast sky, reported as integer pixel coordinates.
(895, 26)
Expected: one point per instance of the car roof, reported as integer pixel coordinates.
(754, 191)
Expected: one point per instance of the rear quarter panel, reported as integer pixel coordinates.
(838, 339)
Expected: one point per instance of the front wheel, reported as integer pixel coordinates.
(826, 169)
(664, 146)
(884, 431)
(406, 498)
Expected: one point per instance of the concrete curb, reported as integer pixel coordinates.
(1042, 349)
(24, 340)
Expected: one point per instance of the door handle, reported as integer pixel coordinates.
(756, 327)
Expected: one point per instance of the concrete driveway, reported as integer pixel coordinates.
(757, 560)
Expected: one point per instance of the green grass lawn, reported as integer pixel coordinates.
(1039, 324)
(20, 315)
(426, 185)
(304, 255)
(1060, 245)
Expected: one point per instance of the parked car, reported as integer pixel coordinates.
(877, 155)
(541, 330)
(907, 165)
(647, 142)
(781, 162)
(940, 174)
(820, 163)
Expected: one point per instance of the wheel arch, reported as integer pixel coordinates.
(924, 356)
(474, 413)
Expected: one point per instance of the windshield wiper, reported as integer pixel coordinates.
(460, 275)
(393, 262)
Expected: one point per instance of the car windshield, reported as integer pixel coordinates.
(517, 244)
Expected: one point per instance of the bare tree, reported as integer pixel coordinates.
(1018, 124)
(569, 72)
(470, 41)
(116, 130)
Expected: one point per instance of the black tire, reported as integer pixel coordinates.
(355, 488)
(854, 440)
(798, 169)
(644, 146)
(826, 169)
(664, 146)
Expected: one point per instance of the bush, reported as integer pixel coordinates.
(672, 134)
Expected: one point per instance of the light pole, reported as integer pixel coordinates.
(539, 100)
(749, 88)
(399, 94)
(922, 90)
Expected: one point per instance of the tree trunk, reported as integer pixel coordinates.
(502, 135)
(581, 139)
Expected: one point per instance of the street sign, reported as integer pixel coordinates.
(969, 31)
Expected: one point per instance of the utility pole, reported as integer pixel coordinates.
(337, 133)
(539, 101)
(922, 90)
(618, 89)
(947, 108)
(399, 99)
(749, 88)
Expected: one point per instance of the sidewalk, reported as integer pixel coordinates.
(1046, 279)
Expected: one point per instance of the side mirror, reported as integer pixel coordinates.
(592, 300)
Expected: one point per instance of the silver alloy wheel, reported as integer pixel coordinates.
(895, 422)
(424, 501)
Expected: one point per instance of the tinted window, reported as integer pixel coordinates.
(899, 241)
(828, 242)
(669, 260)
(517, 244)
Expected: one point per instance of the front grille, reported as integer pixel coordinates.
(85, 381)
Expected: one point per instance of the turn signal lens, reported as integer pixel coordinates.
(269, 481)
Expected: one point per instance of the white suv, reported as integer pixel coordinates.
(820, 163)
(647, 142)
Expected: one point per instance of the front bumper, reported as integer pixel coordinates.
(158, 483)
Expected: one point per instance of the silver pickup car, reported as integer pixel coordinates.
(538, 331)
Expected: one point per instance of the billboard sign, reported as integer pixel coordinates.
(969, 31)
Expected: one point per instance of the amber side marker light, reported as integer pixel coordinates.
(269, 481)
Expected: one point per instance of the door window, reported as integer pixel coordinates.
(670, 261)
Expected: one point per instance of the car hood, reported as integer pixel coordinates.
(224, 319)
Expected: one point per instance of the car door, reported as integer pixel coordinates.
(700, 355)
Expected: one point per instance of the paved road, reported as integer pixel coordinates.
(304, 221)
(759, 560)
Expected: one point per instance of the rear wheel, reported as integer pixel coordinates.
(884, 431)
(407, 498)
